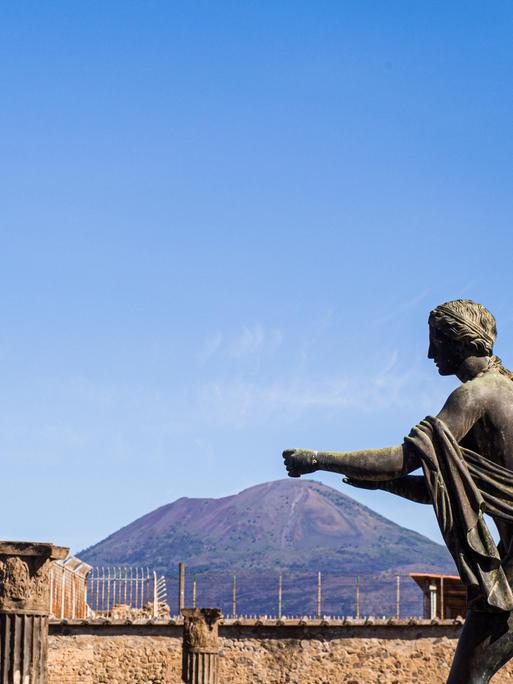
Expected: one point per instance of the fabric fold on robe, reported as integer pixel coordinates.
(463, 485)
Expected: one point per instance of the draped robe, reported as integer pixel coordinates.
(463, 485)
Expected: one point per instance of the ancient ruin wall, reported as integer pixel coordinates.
(258, 655)
(86, 659)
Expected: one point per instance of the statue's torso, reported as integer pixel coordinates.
(488, 415)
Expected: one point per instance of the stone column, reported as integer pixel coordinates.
(200, 653)
(24, 610)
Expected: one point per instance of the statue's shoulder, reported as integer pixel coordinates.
(496, 383)
(484, 387)
(472, 392)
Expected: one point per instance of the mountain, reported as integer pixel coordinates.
(299, 527)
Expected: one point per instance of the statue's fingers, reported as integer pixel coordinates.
(291, 471)
(290, 462)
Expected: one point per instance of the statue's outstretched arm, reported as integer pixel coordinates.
(389, 463)
(412, 487)
(462, 409)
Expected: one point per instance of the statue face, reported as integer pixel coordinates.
(446, 354)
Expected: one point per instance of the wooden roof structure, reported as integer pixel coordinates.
(445, 596)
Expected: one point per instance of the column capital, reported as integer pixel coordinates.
(24, 567)
(201, 629)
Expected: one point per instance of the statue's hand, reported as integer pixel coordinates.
(362, 484)
(300, 462)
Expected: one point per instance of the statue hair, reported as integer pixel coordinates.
(471, 324)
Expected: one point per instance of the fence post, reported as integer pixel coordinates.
(86, 596)
(181, 586)
(155, 596)
(442, 605)
(51, 576)
(318, 595)
(433, 608)
(108, 589)
(280, 591)
(398, 596)
(73, 596)
(102, 608)
(358, 597)
(200, 652)
(234, 597)
(63, 592)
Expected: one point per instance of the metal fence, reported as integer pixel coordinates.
(123, 592)
(68, 589)
(298, 594)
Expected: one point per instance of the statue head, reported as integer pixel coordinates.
(458, 330)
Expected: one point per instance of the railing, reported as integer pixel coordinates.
(68, 589)
(78, 591)
(298, 594)
(127, 592)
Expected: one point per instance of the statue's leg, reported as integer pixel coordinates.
(485, 645)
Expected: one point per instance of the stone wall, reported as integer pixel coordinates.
(87, 659)
(259, 654)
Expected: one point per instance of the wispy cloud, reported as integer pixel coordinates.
(399, 309)
(250, 341)
(253, 340)
(238, 402)
(210, 346)
(315, 332)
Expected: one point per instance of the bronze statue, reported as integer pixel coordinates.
(466, 455)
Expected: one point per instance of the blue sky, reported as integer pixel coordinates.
(223, 226)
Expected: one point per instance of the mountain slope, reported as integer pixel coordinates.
(298, 525)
